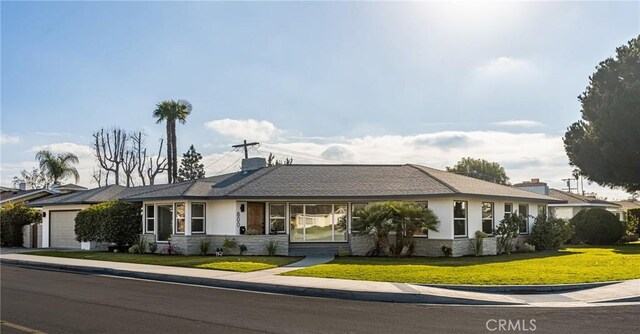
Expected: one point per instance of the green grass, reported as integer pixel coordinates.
(578, 264)
(229, 263)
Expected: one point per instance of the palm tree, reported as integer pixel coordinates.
(170, 111)
(58, 167)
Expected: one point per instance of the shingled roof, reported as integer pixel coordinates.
(310, 181)
(575, 199)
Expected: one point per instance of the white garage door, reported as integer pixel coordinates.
(61, 225)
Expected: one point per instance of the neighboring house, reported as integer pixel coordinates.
(24, 195)
(625, 206)
(303, 208)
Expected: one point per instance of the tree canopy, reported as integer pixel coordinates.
(58, 166)
(171, 111)
(35, 179)
(190, 166)
(480, 169)
(605, 143)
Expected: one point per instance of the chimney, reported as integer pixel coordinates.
(22, 186)
(253, 164)
(534, 186)
(535, 180)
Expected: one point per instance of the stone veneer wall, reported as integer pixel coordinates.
(26, 236)
(256, 244)
(360, 245)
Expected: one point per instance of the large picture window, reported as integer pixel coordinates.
(460, 219)
(149, 226)
(276, 218)
(523, 211)
(180, 218)
(487, 217)
(198, 211)
(318, 222)
(355, 207)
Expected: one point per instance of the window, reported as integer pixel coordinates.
(523, 210)
(459, 219)
(276, 218)
(487, 217)
(197, 217)
(150, 225)
(542, 210)
(508, 209)
(318, 222)
(165, 221)
(179, 217)
(355, 207)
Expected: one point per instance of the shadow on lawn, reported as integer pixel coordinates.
(453, 262)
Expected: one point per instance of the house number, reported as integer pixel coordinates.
(238, 219)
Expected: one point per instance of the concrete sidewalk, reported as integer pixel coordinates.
(627, 292)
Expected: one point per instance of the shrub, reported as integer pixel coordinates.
(629, 238)
(597, 226)
(343, 251)
(477, 243)
(115, 222)
(204, 246)
(229, 243)
(507, 230)
(446, 251)
(139, 247)
(272, 248)
(153, 247)
(252, 231)
(529, 248)
(243, 249)
(12, 218)
(549, 232)
(633, 221)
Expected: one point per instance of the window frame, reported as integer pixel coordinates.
(334, 222)
(176, 217)
(493, 217)
(146, 218)
(466, 219)
(510, 212)
(352, 217)
(526, 218)
(204, 218)
(284, 217)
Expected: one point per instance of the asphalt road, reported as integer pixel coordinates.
(61, 302)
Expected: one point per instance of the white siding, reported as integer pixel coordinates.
(221, 217)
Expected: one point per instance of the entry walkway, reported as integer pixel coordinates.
(627, 292)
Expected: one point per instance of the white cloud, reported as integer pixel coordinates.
(7, 139)
(522, 123)
(246, 129)
(505, 66)
(79, 150)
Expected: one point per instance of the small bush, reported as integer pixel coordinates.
(549, 232)
(597, 226)
(629, 238)
(12, 218)
(153, 247)
(477, 243)
(204, 246)
(243, 249)
(528, 248)
(343, 251)
(507, 230)
(446, 251)
(139, 247)
(272, 248)
(252, 231)
(229, 243)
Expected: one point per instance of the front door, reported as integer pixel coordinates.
(255, 217)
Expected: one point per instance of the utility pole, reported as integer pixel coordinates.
(568, 184)
(245, 146)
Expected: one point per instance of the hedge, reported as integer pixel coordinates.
(12, 218)
(114, 222)
(597, 226)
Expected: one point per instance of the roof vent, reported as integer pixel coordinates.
(253, 164)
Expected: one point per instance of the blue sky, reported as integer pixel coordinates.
(352, 82)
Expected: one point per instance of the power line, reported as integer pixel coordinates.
(300, 154)
(222, 157)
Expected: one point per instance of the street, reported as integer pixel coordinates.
(61, 302)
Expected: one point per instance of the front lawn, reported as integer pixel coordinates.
(576, 264)
(230, 263)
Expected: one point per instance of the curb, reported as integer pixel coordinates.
(522, 289)
(264, 287)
